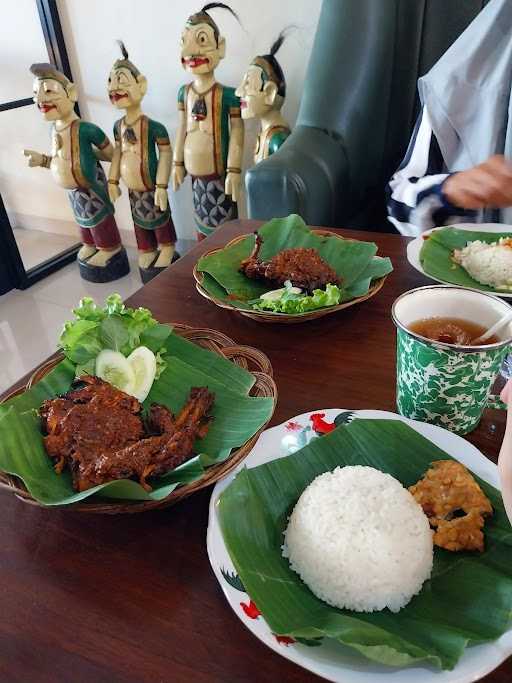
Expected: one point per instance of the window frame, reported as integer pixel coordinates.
(12, 270)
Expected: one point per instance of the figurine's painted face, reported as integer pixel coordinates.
(200, 53)
(124, 90)
(52, 99)
(256, 98)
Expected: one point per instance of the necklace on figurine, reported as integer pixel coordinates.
(199, 110)
(58, 142)
(129, 134)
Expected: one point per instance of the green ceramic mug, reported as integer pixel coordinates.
(446, 384)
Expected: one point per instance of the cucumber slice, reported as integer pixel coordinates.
(113, 367)
(276, 294)
(143, 363)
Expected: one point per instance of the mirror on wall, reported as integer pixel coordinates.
(37, 231)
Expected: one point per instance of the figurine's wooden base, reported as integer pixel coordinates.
(147, 274)
(117, 267)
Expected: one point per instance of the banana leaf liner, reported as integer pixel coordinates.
(356, 263)
(437, 250)
(467, 600)
(238, 418)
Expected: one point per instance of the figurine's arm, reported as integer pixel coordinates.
(235, 153)
(37, 159)
(163, 170)
(104, 153)
(178, 164)
(102, 146)
(114, 191)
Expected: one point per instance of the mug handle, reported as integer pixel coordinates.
(495, 402)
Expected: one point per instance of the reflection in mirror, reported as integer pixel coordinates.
(38, 211)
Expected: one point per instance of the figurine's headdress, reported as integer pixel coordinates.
(202, 17)
(271, 68)
(125, 62)
(44, 70)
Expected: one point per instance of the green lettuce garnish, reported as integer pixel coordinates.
(113, 326)
(301, 303)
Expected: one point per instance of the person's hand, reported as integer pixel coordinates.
(506, 394)
(177, 176)
(486, 185)
(114, 192)
(232, 186)
(34, 158)
(505, 455)
(161, 199)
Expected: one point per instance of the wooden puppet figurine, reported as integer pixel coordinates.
(209, 143)
(77, 148)
(262, 92)
(142, 158)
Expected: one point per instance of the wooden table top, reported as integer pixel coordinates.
(132, 598)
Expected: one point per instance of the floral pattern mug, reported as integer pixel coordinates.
(445, 384)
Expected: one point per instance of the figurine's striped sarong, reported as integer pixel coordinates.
(97, 224)
(212, 206)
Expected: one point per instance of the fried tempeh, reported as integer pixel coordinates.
(455, 505)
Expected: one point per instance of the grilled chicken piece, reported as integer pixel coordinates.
(158, 454)
(88, 422)
(303, 267)
(160, 420)
(97, 431)
(104, 392)
(53, 411)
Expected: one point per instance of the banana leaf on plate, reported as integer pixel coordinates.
(237, 417)
(467, 600)
(437, 250)
(355, 262)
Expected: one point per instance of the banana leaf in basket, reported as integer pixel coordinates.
(354, 261)
(237, 417)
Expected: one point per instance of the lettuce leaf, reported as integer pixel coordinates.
(300, 303)
(112, 326)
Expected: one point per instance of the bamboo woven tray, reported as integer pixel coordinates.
(244, 356)
(286, 318)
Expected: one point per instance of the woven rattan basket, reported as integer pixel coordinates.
(245, 356)
(286, 318)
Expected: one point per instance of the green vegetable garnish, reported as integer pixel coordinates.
(290, 302)
(113, 326)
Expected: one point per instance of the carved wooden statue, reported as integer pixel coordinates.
(209, 143)
(142, 158)
(77, 148)
(262, 93)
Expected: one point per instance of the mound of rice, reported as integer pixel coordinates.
(489, 264)
(358, 540)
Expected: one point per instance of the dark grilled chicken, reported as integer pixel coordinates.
(304, 268)
(158, 454)
(98, 432)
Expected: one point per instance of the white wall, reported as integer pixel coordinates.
(151, 31)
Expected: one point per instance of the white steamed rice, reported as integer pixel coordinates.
(358, 540)
(489, 264)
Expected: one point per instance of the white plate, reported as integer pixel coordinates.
(332, 660)
(414, 247)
